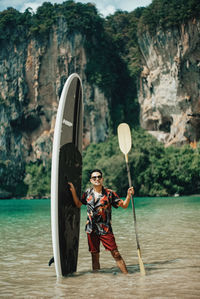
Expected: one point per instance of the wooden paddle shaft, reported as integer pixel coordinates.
(142, 269)
(132, 201)
(124, 137)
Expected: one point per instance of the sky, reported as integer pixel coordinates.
(105, 7)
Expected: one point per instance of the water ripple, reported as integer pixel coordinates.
(169, 239)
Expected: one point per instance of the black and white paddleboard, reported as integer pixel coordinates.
(67, 167)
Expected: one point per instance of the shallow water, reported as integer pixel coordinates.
(169, 238)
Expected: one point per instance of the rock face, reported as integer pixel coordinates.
(169, 88)
(32, 75)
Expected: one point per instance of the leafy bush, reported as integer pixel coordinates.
(122, 28)
(11, 177)
(167, 13)
(37, 178)
(13, 25)
(156, 170)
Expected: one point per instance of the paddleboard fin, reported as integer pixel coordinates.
(51, 261)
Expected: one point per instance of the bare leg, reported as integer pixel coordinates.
(95, 261)
(119, 260)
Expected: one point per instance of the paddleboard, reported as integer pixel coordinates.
(67, 167)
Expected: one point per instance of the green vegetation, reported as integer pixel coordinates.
(168, 13)
(11, 177)
(84, 18)
(37, 179)
(12, 27)
(156, 171)
(122, 29)
(80, 17)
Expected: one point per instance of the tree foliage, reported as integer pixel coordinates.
(122, 28)
(37, 179)
(11, 177)
(156, 170)
(12, 23)
(168, 13)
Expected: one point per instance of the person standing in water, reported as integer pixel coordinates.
(99, 201)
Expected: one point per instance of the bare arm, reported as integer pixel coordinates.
(125, 203)
(77, 202)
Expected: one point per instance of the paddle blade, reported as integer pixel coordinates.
(142, 269)
(124, 138)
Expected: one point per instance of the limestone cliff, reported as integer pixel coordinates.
(170, 83)
(32, 75)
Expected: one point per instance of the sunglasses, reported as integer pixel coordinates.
(96, 177)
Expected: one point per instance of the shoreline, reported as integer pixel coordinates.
(136, 197)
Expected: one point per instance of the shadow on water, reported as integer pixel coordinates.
(114, 270)
(156, 265)
(132, 269)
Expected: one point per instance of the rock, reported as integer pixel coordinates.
(169, 83)
(32, 76)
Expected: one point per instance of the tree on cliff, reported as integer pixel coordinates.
(167, 14)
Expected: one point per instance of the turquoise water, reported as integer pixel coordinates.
(168, 235)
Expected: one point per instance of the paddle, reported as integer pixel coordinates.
(124, 138)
